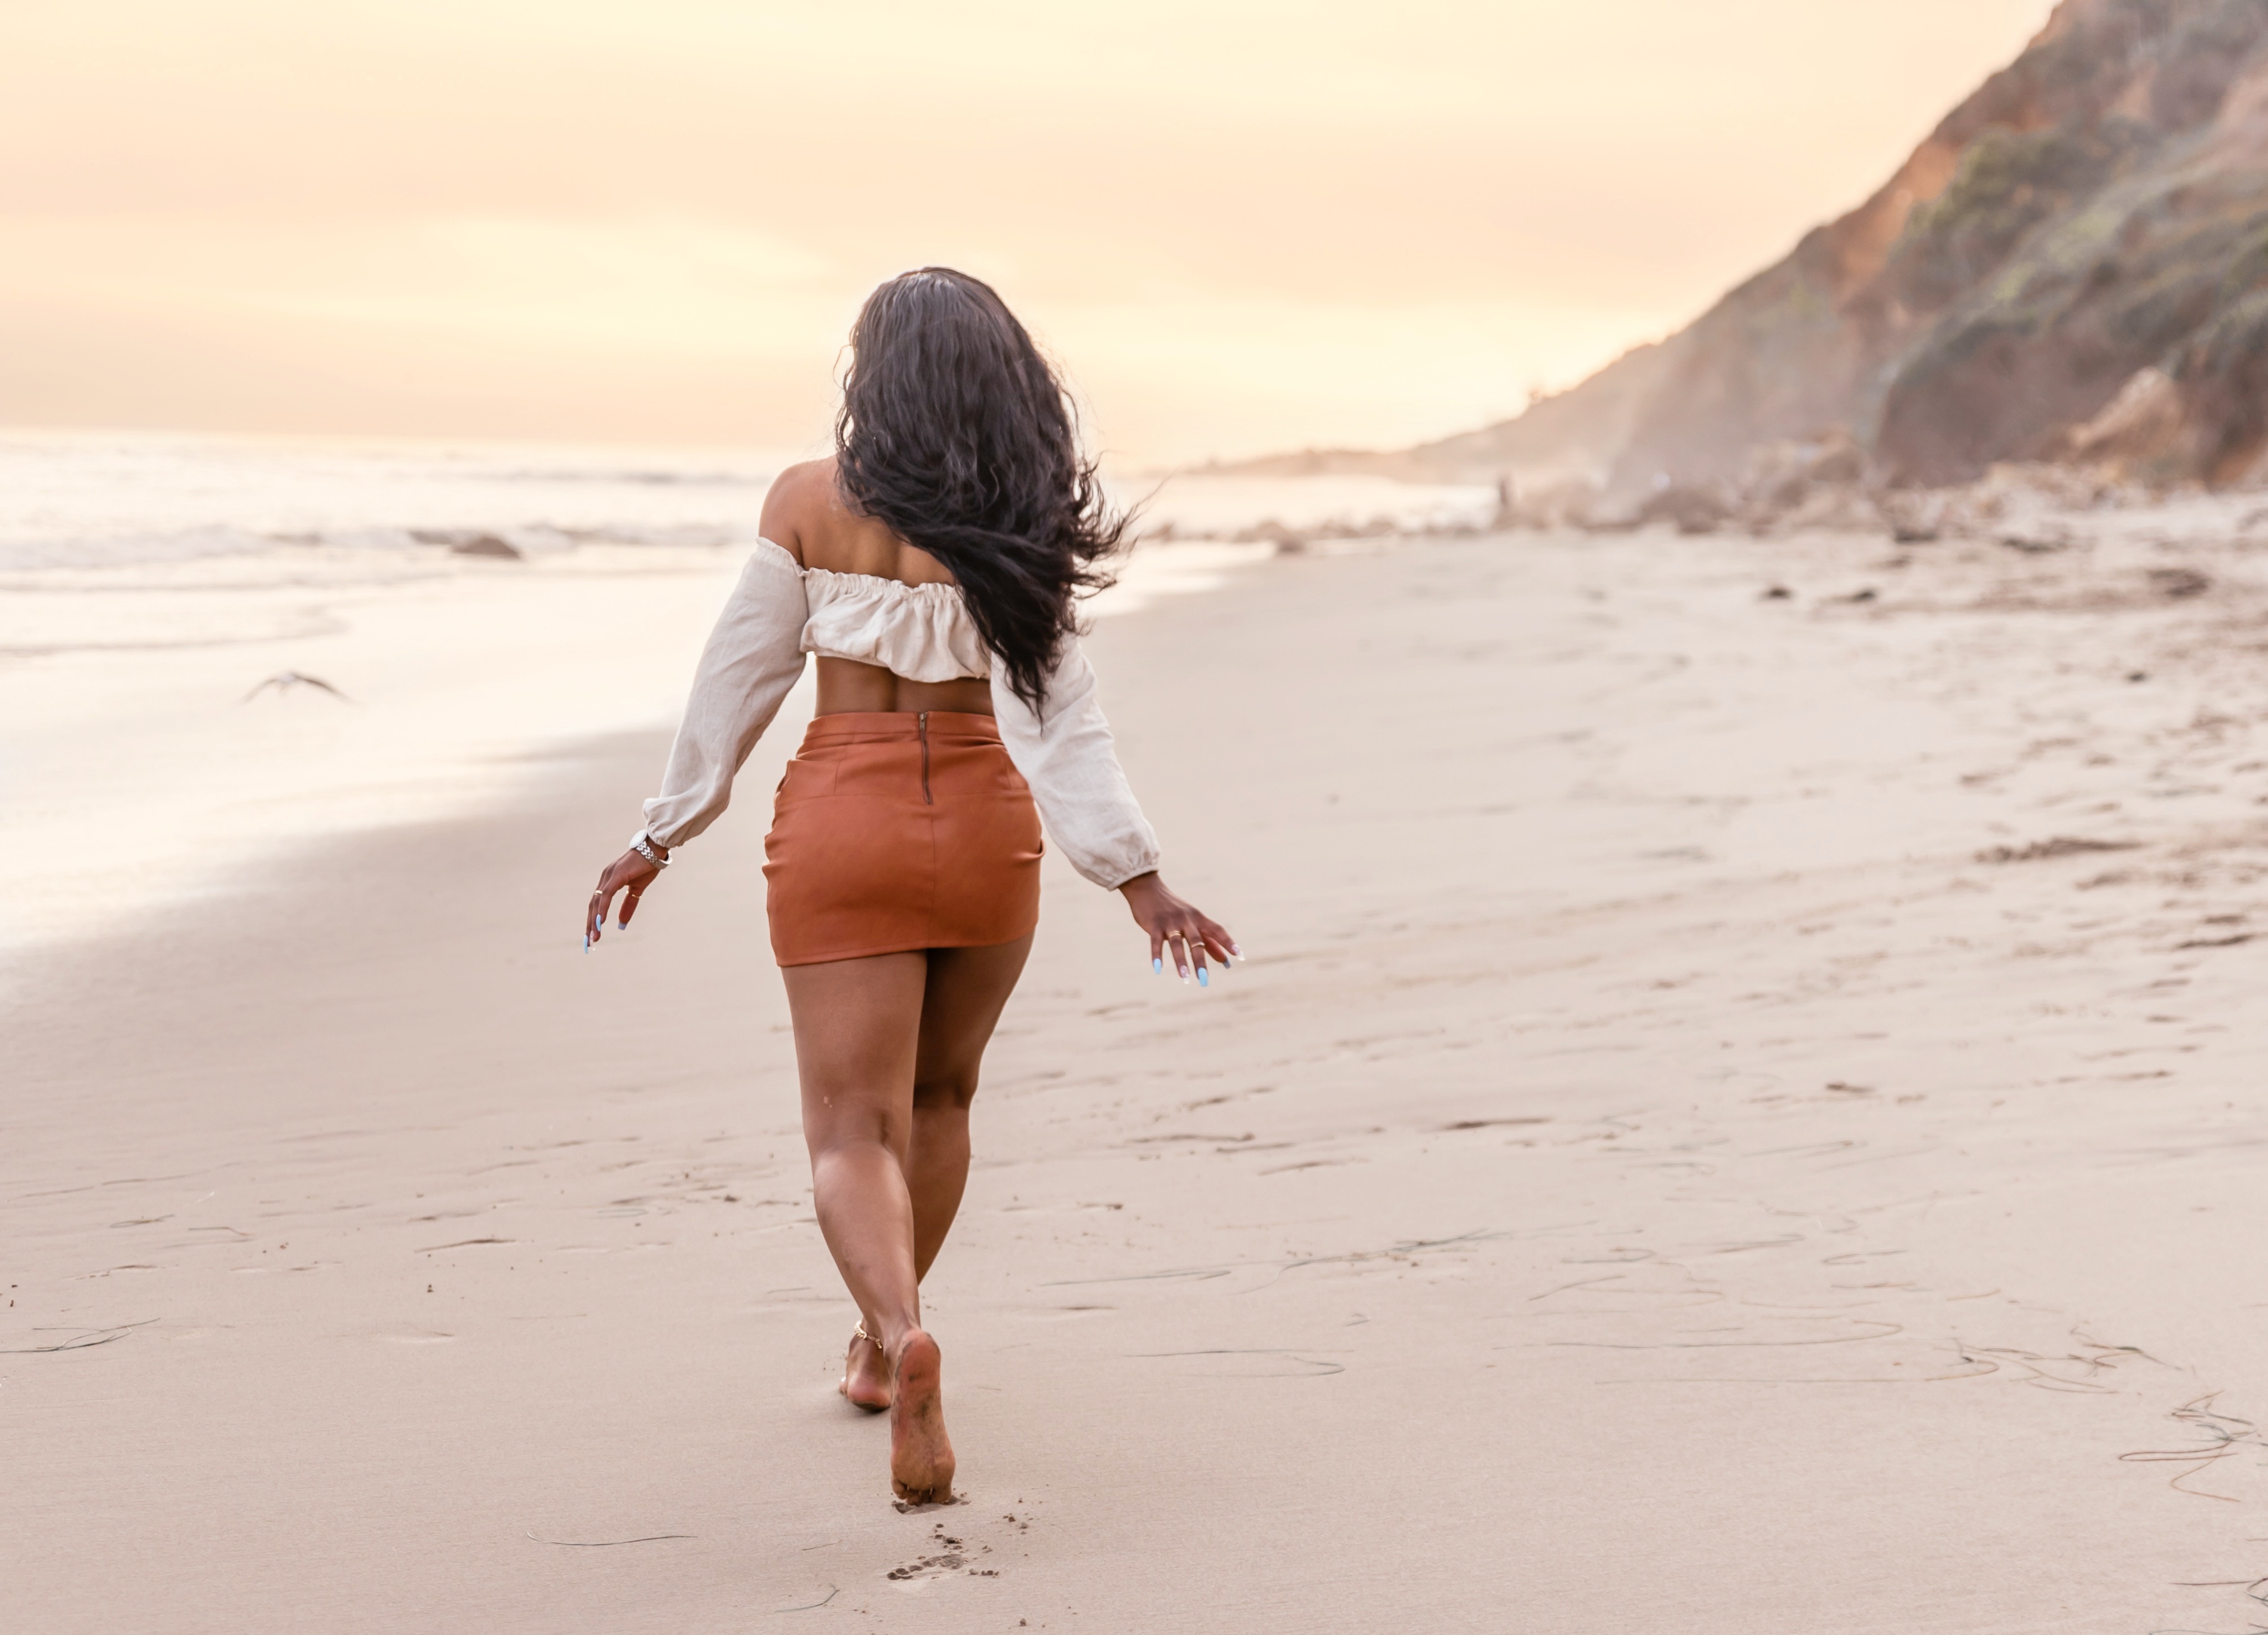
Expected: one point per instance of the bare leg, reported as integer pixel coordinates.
(968, 988)
(862, 1026)
(963, 993)
(856, 1026)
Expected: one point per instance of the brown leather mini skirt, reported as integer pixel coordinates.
(897, 831)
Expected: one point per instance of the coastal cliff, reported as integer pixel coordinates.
(2071, 268)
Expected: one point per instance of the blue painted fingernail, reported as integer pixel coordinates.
(1156, 968)
(1201, 983)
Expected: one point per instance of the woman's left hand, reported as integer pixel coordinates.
(1170, 921)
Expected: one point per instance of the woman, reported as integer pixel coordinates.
(932, 565)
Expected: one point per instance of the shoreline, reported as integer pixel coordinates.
(149, 776)
(145, 774)
(468, 605)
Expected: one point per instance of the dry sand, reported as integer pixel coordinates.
(1697, 1147)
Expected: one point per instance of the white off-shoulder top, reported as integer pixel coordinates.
(781, 610)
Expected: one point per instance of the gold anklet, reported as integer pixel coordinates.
(859, 1333)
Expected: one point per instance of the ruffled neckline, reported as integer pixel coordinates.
(933, 591)
(922, 632)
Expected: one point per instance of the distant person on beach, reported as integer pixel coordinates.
(932, 564)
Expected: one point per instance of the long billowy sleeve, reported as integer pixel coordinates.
(1064, 753)
(752, 658)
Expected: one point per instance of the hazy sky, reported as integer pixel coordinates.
(1243, 224)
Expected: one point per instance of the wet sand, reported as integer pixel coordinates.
(1742, 1117)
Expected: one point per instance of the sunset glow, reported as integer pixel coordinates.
(1243, 226)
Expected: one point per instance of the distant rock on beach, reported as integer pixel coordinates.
(469, 542)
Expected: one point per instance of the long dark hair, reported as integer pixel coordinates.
(956, 434)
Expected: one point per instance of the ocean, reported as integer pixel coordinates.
(460, 612)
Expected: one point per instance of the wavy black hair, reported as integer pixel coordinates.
(956, 434)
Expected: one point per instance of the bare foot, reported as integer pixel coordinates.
(866, 1375)
(921, 1457)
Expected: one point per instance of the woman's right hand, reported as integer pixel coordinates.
(629, 873)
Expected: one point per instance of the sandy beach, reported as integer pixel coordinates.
(1737, 1120)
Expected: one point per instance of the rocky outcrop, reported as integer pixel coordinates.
(2074, 267)
(2142, 283)
(2089, 228)
(2086, 215)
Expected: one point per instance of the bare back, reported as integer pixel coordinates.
(804, 515)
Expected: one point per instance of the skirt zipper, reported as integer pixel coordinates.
(921, 725)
